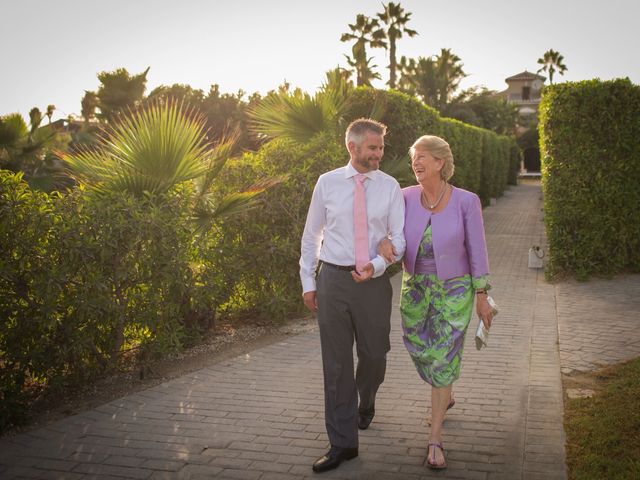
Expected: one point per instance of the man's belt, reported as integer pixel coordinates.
(346, 268)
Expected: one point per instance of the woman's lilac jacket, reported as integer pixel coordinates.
(459, 245)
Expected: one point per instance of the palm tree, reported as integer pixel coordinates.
(35, 118)
(420, 77)
(366, 31)
(407, 68)
(364, 70)
(50, 110)
(449, 74)
(149, 151)
(395, 18)
(89, 104)
(120, 92)
(434, 79)
(29, 150)
(551, 62)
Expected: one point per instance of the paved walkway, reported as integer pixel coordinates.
(260, 415)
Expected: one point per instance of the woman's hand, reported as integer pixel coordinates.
(387, 250)
(484, 310)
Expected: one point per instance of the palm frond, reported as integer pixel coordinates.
(399, 167)
(217, 159)
(207, 210)
(148, 150)
(12, 128)
(297, 116)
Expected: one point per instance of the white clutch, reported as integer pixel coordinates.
(482, 332)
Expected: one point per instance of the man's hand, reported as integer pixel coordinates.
(365, 274)
(387, 250)
(310, 301)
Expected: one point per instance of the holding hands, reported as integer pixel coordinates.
(365, 274)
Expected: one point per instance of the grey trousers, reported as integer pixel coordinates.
(346, 311)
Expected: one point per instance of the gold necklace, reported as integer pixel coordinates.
(440, 197)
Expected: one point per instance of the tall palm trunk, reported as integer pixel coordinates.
(392, 64)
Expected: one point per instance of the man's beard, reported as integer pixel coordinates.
(368, 164)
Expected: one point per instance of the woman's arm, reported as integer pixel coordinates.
(475, 242)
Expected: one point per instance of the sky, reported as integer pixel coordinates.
(52, 50)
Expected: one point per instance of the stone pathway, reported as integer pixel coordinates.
(260, 415)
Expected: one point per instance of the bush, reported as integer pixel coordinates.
(515, 156)
(590, 175)
(85, 278)
(466, 146)
(484, 161)
(265, 243)
(406, 118)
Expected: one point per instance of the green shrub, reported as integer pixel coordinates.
(406, 118)
(483, 161)
(27, 221)
(85, 278)
(466, 145)
(264, 243)
(515, 156)
(590, 175)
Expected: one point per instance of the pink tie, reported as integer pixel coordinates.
(360, 223)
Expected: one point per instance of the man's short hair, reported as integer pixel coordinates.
(358, 128)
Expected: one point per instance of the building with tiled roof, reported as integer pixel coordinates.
(523, 90)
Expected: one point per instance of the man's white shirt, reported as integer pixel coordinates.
(329, 230)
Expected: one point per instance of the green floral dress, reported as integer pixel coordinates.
(435, 316)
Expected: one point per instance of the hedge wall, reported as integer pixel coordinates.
(485, 162)
(406, 117)
(590, 149)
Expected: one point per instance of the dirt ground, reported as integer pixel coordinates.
(225, 341)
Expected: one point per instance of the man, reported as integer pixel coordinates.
(351, 210)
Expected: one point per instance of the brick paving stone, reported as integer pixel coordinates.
(261, 415)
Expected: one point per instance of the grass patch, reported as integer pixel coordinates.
(603, 432)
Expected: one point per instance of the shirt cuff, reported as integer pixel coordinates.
(308, 285)
(481, 283)
(379, 266)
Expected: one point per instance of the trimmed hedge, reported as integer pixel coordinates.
(590, 149)
(406, 117)
(485, 162)
(467, 146)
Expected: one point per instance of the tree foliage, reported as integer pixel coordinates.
(486, 109)
(119, 92)
(434, 79)
(552, 62)
(365, 32)
(395, 19)
(299, 116)
(30, 149)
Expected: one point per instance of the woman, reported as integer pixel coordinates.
(445, 268)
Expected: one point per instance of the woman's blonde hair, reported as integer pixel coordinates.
(438, 148)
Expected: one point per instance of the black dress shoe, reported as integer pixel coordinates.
(364, 419)
(333, 458)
